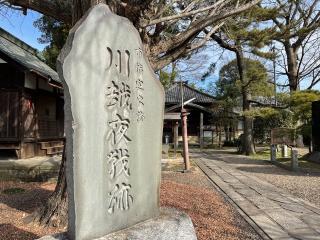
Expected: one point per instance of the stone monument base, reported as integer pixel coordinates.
(170, 225)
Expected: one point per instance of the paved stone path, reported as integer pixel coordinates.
(280, 215)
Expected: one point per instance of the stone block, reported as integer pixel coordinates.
(170, 225)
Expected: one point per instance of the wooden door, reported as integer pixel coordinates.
(9, 115)
(28, 117)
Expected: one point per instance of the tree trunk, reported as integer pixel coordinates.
(248, 143)
(54, 212)
(292, 67)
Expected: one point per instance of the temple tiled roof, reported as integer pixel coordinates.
(25, 55)
(173, 94)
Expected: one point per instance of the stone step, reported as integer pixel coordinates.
(49, 144)
(54, 150)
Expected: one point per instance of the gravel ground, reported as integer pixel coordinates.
(212, 216)
(303, 185)
(22, 199)
(192, 193)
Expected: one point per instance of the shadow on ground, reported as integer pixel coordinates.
(15, 233)
(248, 164)
(26, 201)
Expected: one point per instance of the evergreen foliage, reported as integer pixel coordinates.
(54, 33)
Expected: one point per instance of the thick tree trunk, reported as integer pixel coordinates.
(248, 142)
(55, 209)
(292, 73)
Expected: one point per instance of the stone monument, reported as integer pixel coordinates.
(113, 122)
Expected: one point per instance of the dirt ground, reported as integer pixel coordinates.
(18, 200)
(212, 216)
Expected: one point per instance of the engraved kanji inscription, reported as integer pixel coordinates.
(119, 127)
(118, 161)
(140, 116)
(112, 95)
(118, 95)
(122, 93)
(140, 99)
(120, 198)
(139, 53)
(139, 84)
(139, 68)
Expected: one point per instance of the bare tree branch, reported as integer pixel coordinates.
(185, 14)
(58, 9)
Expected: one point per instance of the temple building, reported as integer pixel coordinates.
(208, 124)
(31, 101)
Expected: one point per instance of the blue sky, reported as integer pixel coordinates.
(21, 26)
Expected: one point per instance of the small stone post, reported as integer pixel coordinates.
(294, 160)
(273, 153)
(284, 151)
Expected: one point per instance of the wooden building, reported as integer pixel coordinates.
(207, 123)
(31, 101)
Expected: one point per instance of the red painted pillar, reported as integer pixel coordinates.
(184, 115)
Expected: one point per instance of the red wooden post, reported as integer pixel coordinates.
(184, 115)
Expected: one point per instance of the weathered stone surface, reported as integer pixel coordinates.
(171, 225)
(114, 111)
(313, 220)
(296, 208)
(305, 234)
(285, 219)
(271, 228)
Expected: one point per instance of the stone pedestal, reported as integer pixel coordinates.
(170, 225)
